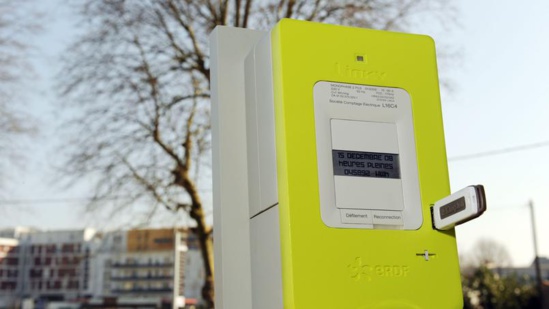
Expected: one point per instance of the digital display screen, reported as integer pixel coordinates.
(365, 164)
(452, 208)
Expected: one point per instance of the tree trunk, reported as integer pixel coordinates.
(206, 248)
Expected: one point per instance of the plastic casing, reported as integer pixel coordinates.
(325, 267)
(471, 210)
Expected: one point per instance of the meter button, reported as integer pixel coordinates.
(387, 217)
(356, 216)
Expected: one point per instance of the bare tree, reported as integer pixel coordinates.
(16, 24)
(487, 252)
(486, 285)
(137, 83)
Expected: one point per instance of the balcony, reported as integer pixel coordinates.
(142, 290)
(140, 265)
(139, 278)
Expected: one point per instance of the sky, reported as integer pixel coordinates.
(500, 100)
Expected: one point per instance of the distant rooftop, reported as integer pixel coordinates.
(542, 261)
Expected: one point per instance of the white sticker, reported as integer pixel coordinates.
(368, 121)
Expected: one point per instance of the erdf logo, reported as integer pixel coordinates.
(360, 271)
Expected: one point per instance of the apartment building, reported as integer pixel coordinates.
(149, 265)
(144, 267)
(16, 232)
(153, 264)
(57, 264)
(10, 283)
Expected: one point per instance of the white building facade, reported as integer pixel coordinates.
(146, 265)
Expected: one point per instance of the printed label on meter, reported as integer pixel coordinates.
(365, 164)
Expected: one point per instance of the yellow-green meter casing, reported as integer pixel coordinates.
(354, 268)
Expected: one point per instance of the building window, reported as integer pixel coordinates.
(163, 240)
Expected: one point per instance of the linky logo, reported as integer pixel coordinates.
(347, 71)
(359, 271)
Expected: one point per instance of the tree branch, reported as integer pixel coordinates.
(152, 82)
(199, 55)
(151, 188)
(236, 21)
(247, 9)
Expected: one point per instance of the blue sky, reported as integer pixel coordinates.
(501, 100)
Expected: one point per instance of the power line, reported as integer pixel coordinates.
(499, 151)
(61, 200)
(457, 158)
(72, 199)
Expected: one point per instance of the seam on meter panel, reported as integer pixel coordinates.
(264, 210)
(432, 211)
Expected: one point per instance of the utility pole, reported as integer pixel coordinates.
(536, 255)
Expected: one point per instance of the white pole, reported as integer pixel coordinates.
(228, 49)
(176, 270)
